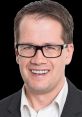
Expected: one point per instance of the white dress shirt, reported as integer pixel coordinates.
(54, 109)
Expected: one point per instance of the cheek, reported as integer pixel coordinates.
(58, 66)
(57, 72)
(23, 61)
(23, 66)
(58, 62)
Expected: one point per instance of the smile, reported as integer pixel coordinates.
(40, 71)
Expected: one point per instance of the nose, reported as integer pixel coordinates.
(39, 58)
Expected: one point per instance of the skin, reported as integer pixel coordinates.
(46, 86)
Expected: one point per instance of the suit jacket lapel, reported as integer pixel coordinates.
(72, 107)
(14, 108)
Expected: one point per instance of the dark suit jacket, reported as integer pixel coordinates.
(10, 106)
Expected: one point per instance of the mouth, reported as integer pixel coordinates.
(39, 71)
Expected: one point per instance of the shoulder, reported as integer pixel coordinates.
(74, 94)
(6, 102)
(73, 104)
(73, 89)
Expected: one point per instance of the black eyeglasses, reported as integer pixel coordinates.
(48, 51)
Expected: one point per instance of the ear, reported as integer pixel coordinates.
(17, 56)
(69, 53)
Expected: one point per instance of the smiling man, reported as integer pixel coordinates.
(43, 32)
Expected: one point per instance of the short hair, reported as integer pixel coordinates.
(47, 8)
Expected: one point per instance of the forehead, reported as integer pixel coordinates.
(36, 20)
(33, 27)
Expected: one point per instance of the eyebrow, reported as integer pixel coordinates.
(45, 44)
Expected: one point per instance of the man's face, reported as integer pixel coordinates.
(39, 32)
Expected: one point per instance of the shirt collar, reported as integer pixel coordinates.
(24, 100)
(60, 99)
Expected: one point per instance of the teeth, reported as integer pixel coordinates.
(39, 71)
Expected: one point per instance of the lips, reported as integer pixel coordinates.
(40, 72)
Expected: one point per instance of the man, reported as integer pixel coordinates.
(43, 33)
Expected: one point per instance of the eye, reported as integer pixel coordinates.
(50, 47)
(27, 47)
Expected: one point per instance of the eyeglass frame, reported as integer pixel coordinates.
(40, 48)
